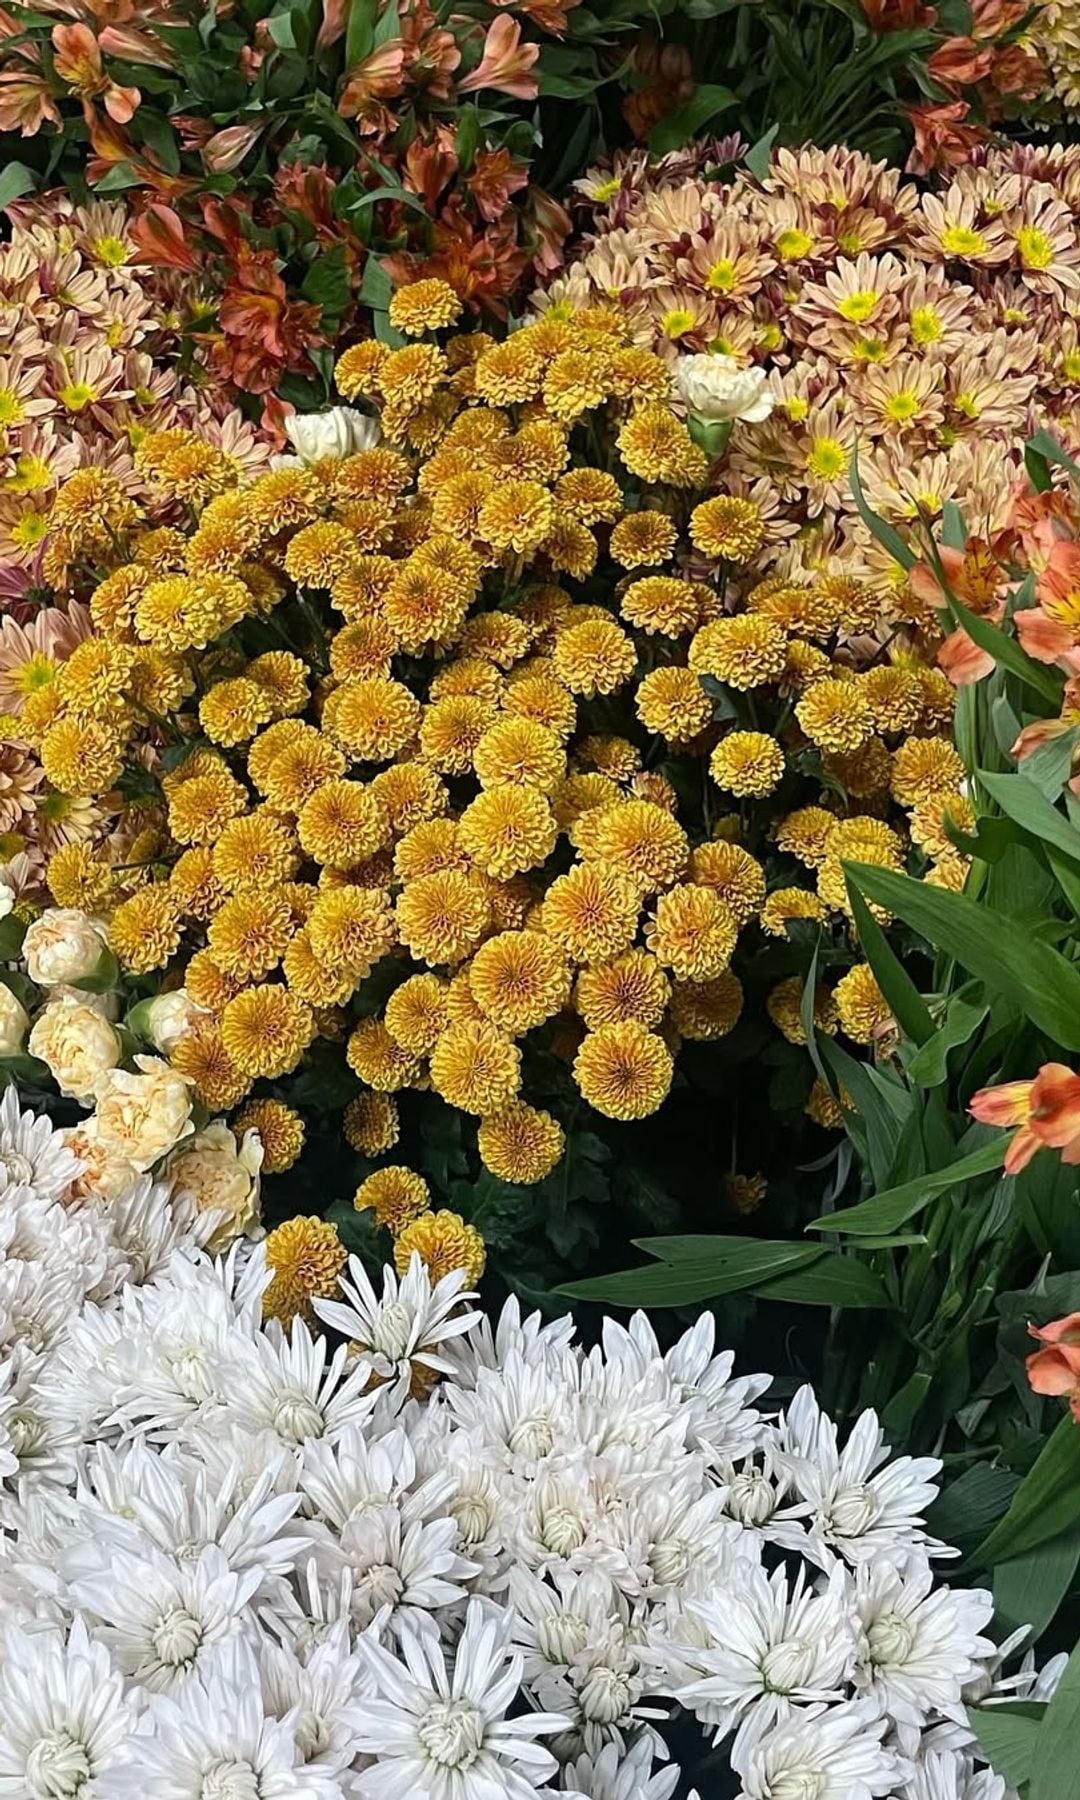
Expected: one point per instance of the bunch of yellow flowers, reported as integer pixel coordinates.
(482, 706)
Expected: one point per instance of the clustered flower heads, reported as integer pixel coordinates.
(931, 330)
(409, 743)
(241, 1560)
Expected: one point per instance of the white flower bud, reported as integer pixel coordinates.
(167, 1018)
(340, 431)
(716, 388)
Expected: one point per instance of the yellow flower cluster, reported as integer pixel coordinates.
(472, 706)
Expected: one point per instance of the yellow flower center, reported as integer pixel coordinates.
(968, 405)
(1036, 250)
(827, 459)
(110, 250)
(926, 325)
(37, 672)
(859, 306)
(792, 244)
(55, 808)
(677, 322)
(29, 530)
(850, 243)
(929, 500)
(722, 346)
(961, 240)
(868, 349)
(1070, 364)
(770, 337)
(11, 842)
(901, 406)
(78, 395)
(11, 408)
(722, 276)
(31, 475)
(946, 437)
(796, 408)
(114, 334)
(607, 190)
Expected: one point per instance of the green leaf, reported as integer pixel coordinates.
(104, 977)
(893, 1208)
(930, 1064)
(1045, 1503)
(15, 180)
(953, 529)
(327, 283)
(758, 158)
(1054, 1772)
(1048, 768)
(469, 138)
(160, 137)
(1009, 1736)
(117, 179)
(1029, 1589)
(1038, 470)
(360, 31)
(971, 1504)
(376, 288)
(905, 1001)
(687, 122)
(732, 1264)
(832, 1280)
(1006, 652)
(1024, 803)
(887, 535)
(1005, 956)
(1044, 443)
(12, 932)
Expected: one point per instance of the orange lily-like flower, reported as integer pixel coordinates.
(973, 576)
(1009, 1104)
(506, 62)
(78, 62)
(1055, 1370)
(1055, 1110)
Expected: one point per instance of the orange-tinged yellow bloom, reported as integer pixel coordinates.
(786, 904)
(450, 730)
(863, 1011)
(444, 1243)
(362, 648)
(785, 1007)
(281, 1132)
(804, 834)
(623, 1070)
(692, 932)
(643, 540)
(379, 1060)
(266, 1031)
(520, 1143)
(656, 446)
(351, 928)
(728, 529)
(744, 652)
(371, 1124)
(307, 1256)
(660, 604)
(396, 1195)
(591, 496)
(673, 703)
(411, 794)
(310, 979)
(428, 847)
(442, 917)
(519, 978)
(861, 839)
(145, 930)
(521, 752)
(476, 1067)
(507, 830)
(749, 764)
(94, 679)
(630, 986)
(639, 839)
(81, 756)
(428, 305)
(232, 711)
(595, 657)
(517, 515)
(357, 372)
(592, 911)
(257, 850)
(542, 699)
(202, 1057)
(77, 876)
(925, 769)
(371, 718)
(416, 1013)
(201, 807)
(248, 935)
(207, 985)
(342, 823)
(707, 1010)
(835, 715)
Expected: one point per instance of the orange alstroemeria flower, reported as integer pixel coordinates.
(506, 64)
(1055, 1370)
(1009, 1104)
(78, 62)
(1055, 1110)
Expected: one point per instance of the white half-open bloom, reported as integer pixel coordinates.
(77, 1045)
(616, 1776)
(823, 1753)
(64, 944)
(441, 1733)
(951, 1775)
(921, 1644)
(65, 1725)
(33, 1153)
(167, 1018)
(14, 1022)
(409, 1324)
(715, 388)
(339, 431)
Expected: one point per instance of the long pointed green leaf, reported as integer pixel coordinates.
(905, 1001)
(1028, 806)
(1044, 1505)
(1007, 652)
(893, 1208)
(1005, 956)
(887, 535)
(1054, 1772)
(684, 1284)
(1009, 1736)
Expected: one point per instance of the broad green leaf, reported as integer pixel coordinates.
(1053, 1773)
(12, 932)
(1044, 443)
(1007, 652)
(889, 1210)
(953, 528)
(905, 1001)
(1005, 956)
(930, 1064)
(887, 535)
(971, 1505)
(1009, 1736)
(832, 1280)
(686, 122)
(1029, 1589)
(15, 180)
(758, 158)
(1044, 1505)
(1038, 470)
(360, 31)
(684, 1284)
(1049, 766)
(1028, 806)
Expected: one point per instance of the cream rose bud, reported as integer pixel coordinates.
(63, 945)
(222, 1177)
(341, 431)
(143, 1113)
(106, 1176)
(14, 1022)
(77, 1045)
(716, 388)
(167, 1017)
(7, 899)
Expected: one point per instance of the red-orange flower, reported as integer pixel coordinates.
(505, 64)
(1009, 1104)
(1055, 1370)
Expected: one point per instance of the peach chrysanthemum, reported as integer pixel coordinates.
(519, 978)
(520, 1143)
(416, 1013)
(863, 1011)
(379, 1060)
(630, 986)
(507, 830)
(623, 1070)
(444, 1244)
(749, 764)
(397, 1196)
(442, 917)
(673, 703)
(307, 1256)
(281, 1132)
(692, 932)
(705, 1011)
(145, 930)
(476, 1067)
(371, 1124)
(592, 911)
(266, 1031)
(743, 652)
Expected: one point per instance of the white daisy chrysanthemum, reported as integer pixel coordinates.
(920, 1644)
(441, 1733)
(832, 1753)
(65, 1724)
(164, 1619)
(33, 1153)
(409, 1325)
